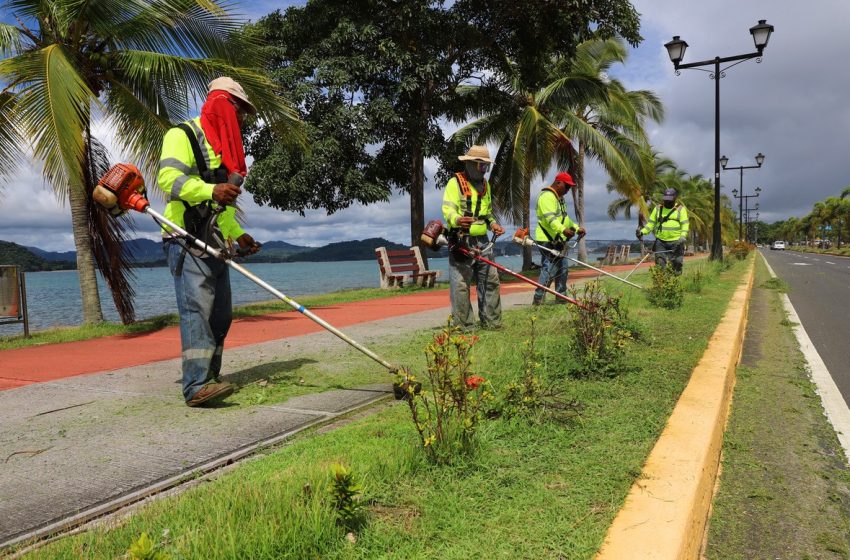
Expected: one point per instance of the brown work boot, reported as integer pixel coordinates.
(211, 392)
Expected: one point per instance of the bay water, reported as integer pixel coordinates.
(53, 298)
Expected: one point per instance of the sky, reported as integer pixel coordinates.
(793, 107)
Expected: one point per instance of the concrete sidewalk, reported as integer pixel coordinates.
(74, 448)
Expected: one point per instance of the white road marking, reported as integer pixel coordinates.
(802, 264)
(833, 402)
(829, 262)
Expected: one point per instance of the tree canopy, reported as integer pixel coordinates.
(374, 78)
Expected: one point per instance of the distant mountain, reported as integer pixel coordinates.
(144, 250)
(346, 251)
(12, 253)
(68, 256)
(277, 251)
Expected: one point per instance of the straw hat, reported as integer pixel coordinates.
(477, 153)
(232, 87)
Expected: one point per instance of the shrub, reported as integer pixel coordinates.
(741, 249)
(600, 329)
(693, 281)
(665, 289)
(447, 416)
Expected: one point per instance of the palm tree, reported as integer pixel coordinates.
(518, 121)
(611, 129)
(136, 64)
(663, 174)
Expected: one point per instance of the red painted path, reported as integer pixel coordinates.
(37, 364)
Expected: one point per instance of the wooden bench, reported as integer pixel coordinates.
(610, 255)
(397, 267)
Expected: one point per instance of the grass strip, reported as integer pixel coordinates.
(534, 489)
(784, 488)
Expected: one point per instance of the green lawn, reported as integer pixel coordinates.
(534, 489)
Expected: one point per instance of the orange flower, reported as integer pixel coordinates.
(474, 381)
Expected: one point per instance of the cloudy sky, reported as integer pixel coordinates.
(793, 107)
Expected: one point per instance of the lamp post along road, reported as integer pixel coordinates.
(759, 160)
(676, 49)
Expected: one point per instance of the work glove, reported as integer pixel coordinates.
(568, 233)
(639, 233)
(497, 229)
(581, 232)
(247, 245)
(225, 193)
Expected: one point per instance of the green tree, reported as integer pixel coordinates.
(398, 65)
(135, 64)
(610, 131)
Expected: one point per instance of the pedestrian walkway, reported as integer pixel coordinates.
(93, 425)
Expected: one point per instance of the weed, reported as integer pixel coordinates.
(694, 281)
(528, 397)
(145, 549)
(446, 418)
(345, 494)
(600, 331)
(666, 288)
(776, 284)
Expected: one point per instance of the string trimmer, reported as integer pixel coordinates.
(522, 238)
(123, 187)
(434, 236)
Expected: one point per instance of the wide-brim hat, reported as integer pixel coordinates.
(477, 153)
(232, 87)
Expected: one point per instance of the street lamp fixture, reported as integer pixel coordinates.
(676, 50)
(723, 162)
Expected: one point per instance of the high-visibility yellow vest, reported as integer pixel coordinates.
(668, 225)
(461, 197)
(552, 218)
(180, 179)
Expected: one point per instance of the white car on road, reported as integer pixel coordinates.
(778, 245)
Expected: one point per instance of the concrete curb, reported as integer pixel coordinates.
(666, 511)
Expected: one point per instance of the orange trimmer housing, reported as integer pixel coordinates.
(125, 182)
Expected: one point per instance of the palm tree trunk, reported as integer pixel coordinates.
(578, 177)
(89, 295)
(417, 198)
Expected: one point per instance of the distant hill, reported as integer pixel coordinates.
(67, 256)
(346, 251)
(277, 251)
(12, 253)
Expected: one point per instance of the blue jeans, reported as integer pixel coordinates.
(552, 268)
(202, 287)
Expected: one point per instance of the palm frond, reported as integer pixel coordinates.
(11, 139)
(52, 109)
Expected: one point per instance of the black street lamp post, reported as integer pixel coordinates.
(759, 160)
(748, 219)
(676, 49)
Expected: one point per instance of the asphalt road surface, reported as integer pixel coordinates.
(819, 289)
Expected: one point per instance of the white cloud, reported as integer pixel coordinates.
(791, 107)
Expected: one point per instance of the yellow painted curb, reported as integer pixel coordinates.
(666, 511)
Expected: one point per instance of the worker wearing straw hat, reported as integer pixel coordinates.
(468, 213)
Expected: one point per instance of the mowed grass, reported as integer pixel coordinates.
(533, 489)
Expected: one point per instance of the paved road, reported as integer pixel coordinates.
(819, 289)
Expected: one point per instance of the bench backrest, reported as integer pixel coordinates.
(399, 261)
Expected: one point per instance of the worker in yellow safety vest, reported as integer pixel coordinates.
(468, 213)
(201, 166)
(554, 229)
(669, 223)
